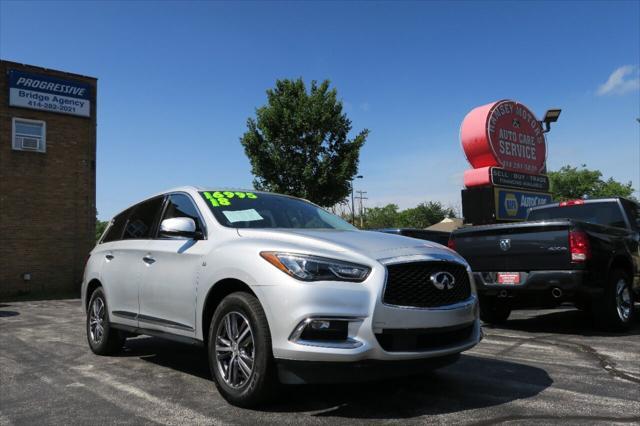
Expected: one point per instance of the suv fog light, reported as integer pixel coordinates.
(320, 325)
(326, 332)
(332, 330)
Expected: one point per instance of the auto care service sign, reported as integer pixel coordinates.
(504, 134)
(47, 93)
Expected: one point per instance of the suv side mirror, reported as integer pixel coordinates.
(180, 227)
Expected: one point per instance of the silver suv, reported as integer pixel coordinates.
(278, 290)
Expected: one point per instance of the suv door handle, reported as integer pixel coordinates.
(148, 259)
(108, 256)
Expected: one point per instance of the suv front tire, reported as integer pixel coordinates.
(240, 354)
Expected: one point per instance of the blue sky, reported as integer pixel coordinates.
(178, 80)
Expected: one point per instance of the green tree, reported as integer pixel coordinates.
(421, 216)
(573, 182)
(424, 215)
(298, 143)
(382, 217)
(100, 227)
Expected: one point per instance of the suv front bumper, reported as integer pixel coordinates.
(372, 325)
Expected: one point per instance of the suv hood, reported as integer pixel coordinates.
(371, 243)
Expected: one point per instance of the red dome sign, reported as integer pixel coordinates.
(504, 134)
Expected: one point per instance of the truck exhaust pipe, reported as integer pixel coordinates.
(556, 293)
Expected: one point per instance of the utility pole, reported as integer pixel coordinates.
(353, 210)
(361, 197)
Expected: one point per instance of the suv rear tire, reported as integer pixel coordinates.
(494, 310)
(617, 311)
(103, 339)
(240, 352)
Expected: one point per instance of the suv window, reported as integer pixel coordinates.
(142, 219)
(602, 213)
(181, 205)
(268, 211)
(117, 226)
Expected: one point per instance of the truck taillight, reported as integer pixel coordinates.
(579, 246)
(571, 203)
(451, 243)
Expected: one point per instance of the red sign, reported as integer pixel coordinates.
(505, 134)
(508, 278)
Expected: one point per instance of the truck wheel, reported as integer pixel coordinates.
(240, 354)
(617, 312)
(103, 339)
(493, 310)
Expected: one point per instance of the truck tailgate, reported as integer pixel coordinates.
(526, 247)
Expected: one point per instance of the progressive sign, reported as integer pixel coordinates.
(34, 91)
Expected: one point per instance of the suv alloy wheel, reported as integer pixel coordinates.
(103, 340)
(240, 354)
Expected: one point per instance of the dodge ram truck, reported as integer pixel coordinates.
(584, 252)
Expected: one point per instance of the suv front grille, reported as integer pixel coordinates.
(409, 284)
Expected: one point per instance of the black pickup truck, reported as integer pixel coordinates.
(582, 251)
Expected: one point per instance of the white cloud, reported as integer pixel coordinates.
(623, 80)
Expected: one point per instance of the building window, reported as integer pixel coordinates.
(29, 135)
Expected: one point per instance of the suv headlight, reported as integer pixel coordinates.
(312, 268)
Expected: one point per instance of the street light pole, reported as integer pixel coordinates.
(551, 116)
(353, 208)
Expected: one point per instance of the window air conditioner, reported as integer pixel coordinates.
(29, 143)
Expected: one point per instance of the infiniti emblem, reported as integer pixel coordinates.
(505, 244)
(442, 280)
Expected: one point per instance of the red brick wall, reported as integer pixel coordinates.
(47, 200)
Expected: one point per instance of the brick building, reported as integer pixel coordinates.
(47, 179)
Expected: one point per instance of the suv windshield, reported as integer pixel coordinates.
(602, 213)
(239, 209)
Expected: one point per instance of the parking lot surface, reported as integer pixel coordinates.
(546, 366)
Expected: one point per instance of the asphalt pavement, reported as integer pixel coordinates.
(542, 367)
